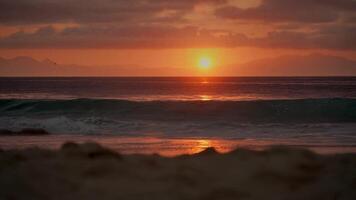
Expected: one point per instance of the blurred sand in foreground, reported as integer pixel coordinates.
(89, 171)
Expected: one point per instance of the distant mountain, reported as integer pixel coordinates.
(288, 65)
(27, 66)
(296, 65)
(21, 60)
(22, 66)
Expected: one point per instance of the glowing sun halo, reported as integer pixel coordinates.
(205, 62)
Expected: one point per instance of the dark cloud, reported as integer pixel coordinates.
(92, 11)
(113, 37)
(334, 37)
(337, 37)
(304, 24)
(306, 11)
(308, 24)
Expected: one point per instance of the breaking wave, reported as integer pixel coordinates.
(177, 117)
(300, 110)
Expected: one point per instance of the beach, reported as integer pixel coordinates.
(90, 171)
(177, 138)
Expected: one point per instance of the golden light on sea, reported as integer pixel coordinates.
(205, 98)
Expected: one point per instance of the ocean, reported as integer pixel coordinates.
(301, 111)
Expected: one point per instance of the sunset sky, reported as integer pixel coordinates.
(167, 33)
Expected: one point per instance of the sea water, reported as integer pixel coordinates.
(295, 110)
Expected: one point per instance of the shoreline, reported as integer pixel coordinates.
(166, 146)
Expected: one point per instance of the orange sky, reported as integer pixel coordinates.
(168, 33)
(159, 58)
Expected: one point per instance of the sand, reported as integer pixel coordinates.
(89, 171)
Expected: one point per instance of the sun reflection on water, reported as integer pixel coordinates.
(205, 97)
(204, 82)
(201, 145)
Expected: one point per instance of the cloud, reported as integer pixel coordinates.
(336, 37)
(302, 24)
(113, 37)
(93, 11)
(115, 24)
(332, 37)
(305, 11)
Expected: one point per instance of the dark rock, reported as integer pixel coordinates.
(31, 131)
(5, 132)
(23, 132)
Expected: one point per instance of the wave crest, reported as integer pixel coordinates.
(260, 111)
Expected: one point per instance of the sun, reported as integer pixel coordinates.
(205, 62)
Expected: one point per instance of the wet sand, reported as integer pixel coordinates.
(168, 146)
(89, 171)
